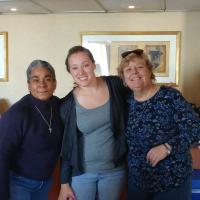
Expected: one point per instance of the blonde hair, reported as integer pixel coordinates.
(130, 57)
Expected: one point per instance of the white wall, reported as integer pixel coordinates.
(49, 37)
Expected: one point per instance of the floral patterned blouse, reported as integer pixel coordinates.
(165, 117)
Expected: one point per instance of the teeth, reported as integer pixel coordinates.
(83, 78)
(135, 79)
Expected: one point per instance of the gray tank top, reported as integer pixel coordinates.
(97, 137)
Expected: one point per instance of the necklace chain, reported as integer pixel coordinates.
(45, 120)
(147, 95)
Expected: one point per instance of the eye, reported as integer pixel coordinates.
(34, 80)
(48, 79)
(139, 66)
(73, 68)
(127, 69)
(86, 65)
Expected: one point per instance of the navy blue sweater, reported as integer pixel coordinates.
(26, 146)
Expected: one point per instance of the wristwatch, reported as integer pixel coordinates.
(168, 148)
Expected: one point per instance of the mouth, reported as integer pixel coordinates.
(43, 92)
(135, 79)
(83, 78)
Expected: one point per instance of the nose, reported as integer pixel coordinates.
(134, 70)
(42, 83)
(81, 70)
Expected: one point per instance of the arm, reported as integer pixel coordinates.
(9, 141)
(188, 124)
(66, 192)
(4, 177)
(187, 129)
(67, 113)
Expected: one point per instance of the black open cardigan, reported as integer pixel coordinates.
(72, 148)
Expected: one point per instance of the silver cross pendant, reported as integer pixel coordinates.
(50, 130)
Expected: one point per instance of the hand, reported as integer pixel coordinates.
(66, 193)
(156, 154)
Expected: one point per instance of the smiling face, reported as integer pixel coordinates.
(41, 83)
(137, 74)
(81, 68)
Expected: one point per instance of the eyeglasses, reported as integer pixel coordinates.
(138, 52)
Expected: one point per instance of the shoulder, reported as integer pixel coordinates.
(67, 99)
(18, 110)
(171, 96)
(21, 105)
(114, 82)
(67, 103)
(56, 101)
(170, 92)
(112, 79)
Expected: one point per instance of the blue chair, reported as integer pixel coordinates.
(196, 184)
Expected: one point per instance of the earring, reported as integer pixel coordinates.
(124, 83)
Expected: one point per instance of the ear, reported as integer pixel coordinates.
(124, 83)
(29, 89)
(95, 66)
(55, 85)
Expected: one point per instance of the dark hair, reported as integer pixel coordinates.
(78, 49)
(131, 55)
(40, 63)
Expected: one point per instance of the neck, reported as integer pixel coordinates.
(92, 87)
(145, 94)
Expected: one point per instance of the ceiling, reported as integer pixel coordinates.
(95, 6)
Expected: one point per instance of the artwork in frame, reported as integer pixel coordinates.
(162, 48)
(3, 56)
(158, 53)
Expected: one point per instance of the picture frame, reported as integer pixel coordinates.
(162, 48)
(3, 56)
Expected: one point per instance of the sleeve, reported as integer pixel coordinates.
(119, 85)
(118, 93)
(188, 125)
(66, 113)
(65, 171)
(9, 142)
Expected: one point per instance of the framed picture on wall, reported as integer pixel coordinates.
(158, 53)
(157, 56)
(3, 56)
(162, 48)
